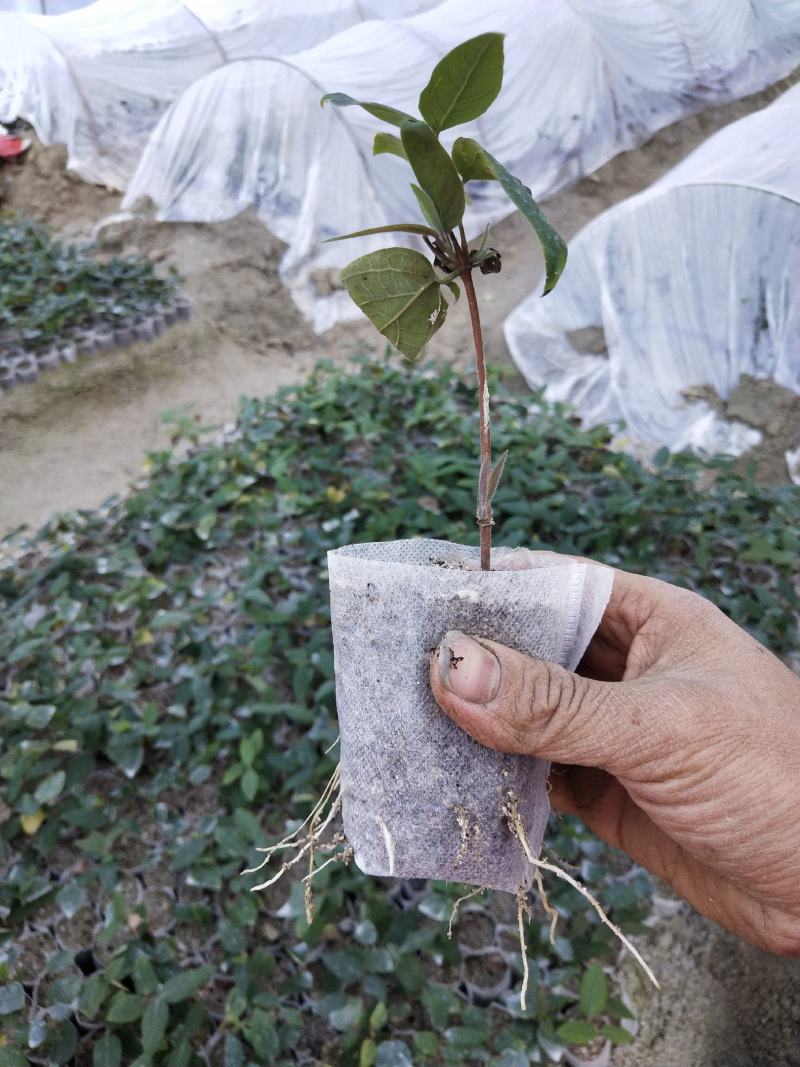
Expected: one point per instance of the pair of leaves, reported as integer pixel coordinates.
(399, 291)
(462, 86)
(397, 288)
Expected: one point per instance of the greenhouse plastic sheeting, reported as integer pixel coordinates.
(584, 80)
(43, 7)
(692, 282)
(99, 79)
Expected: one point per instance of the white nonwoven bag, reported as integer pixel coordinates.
(422, 799)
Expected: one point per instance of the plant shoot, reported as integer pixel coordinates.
(401, 290)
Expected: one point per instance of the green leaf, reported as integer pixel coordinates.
(249, 784)
(107, 1051)
(426, 1042)
(12, 998)
(428, 209)
(434, 170)
(127, 754)
(475, 161)
(393, 1054)
(347, 1017)
(594, 991)
(378, 1018)
(181, 1055)
(576, 1032)
(71, 898)
(94, 992)
(616, 1034)
(62, 1042)
(12, 1057)
(182, 986)
(439, 1002)
(154, 1025)
(263, 1036)
(470, 160)
(392, 227)
(464, 83)
(368, 1053)
(399, 292)
(145, 981)
(234, 1054)
(388, 143)
(620, 1010)
(380, 111)
(553, 245)
(50, 787)
(125, 1008)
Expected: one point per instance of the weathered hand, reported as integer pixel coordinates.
(678, 740)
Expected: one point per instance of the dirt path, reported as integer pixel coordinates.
(81, 433)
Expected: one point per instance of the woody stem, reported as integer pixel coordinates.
(484, 511)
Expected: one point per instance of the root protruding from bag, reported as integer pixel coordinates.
(461, 900)
(308, 839)
(517, 827)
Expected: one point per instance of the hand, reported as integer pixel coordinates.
(680, 743)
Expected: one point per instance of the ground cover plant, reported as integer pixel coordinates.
(50, 288)
(167, 700)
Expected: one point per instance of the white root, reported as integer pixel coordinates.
(317, 823)
(517, 827)
(523, 912)
(307, 840)
(345, 856)
(388, 842)
(304, 850)
(548, 907)
(291, 839)
(456, 906)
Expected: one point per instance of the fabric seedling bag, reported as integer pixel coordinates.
(422, 799)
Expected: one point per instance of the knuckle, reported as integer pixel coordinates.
(541, 706)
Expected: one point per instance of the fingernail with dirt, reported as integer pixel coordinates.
(468, 669)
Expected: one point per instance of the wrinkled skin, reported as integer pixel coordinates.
(678, 740)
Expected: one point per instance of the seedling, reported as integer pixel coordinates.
(401, 290)
(403, 293)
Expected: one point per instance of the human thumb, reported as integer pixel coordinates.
(515, 703)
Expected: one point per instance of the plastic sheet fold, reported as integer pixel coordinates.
(206, 107)
(691, 283)
(583, 81)
(98, 79)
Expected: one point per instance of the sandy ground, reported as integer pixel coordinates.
(81, 433)
(722, 1002)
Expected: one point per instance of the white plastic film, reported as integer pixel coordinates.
(128, 60)
(692, 282)
(207, 107)
(583, 81)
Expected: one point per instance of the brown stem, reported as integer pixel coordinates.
(484, 513)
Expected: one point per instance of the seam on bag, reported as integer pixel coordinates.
(577, 582)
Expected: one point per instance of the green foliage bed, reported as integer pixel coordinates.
(167, 703)
(49, 287)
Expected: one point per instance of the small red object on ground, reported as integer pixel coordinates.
(11, 146)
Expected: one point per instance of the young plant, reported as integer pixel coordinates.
(399, 289)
